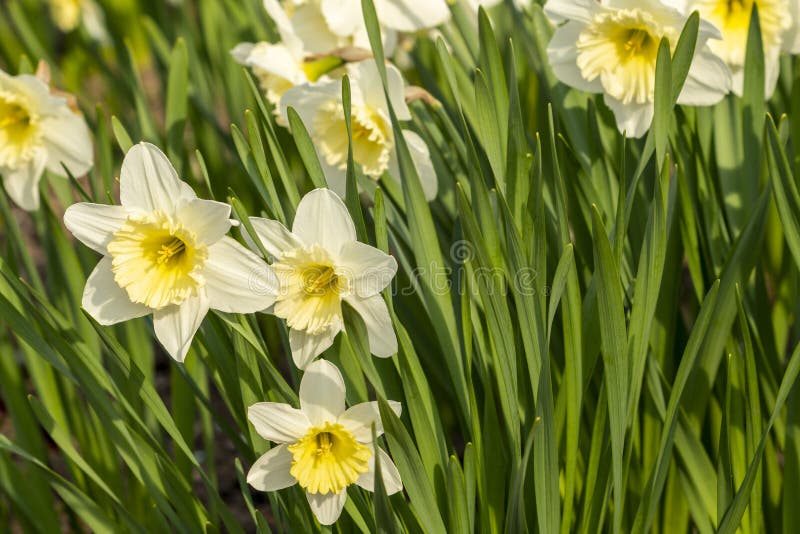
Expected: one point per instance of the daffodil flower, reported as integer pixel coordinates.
(396, 15)
(38, 131)
(612, 47)
(780, 26)
(321, 446)
(69, 14)
(320, 107)
(319, 264)
(165, 253)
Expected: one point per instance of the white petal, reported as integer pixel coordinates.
(366, 75)
(237, 280)
(322, 218)
(343, 16)
(276, 59)
(708, 82)
(175, 326)
(94, 224)
(633, 119)
(283, 25)
(335, 177)
(306, 347)
(275, 237)
(149, 181)
(22, 184)
(772, 69)
(307, 99)
(322, 392)
(311, 27)
(581, 10)
(68, 142)
(391, 476)
(791, 39)
(327, 508)
(358, 420)
(271, 471)
(375, 313)
(207, 219)
(563, 55)
(421, 157)
(105, 301)
(368, 269)
(412, 15)
(278, 422)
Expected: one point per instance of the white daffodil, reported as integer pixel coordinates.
(321, 26)
(68, 14)
(398, 15)
(319, 264)
(320, 107)
(321, 446)
(612, 47)
(165, 252)
(38, 131)
(779, 33)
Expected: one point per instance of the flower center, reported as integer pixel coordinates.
(621, 48)
(320, 280)
(19, 132)
(732, 17)
(328, 459)
(310, 296)
(372, 138)
(156, 261)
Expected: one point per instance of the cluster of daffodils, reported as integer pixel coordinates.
(166, 253)
(611, 46)
(320, 42)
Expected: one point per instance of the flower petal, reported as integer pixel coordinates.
(306, 347)
(94, 224)
(322, 392)
(278, 422)
(327, 508)
(633, 119)
(421, 157)
(391, 476)
(366, 75)
(271, 471)
(322, 218)
(708, 82)
(275, 237)
(22, 183)
(68, 142)
(563, 55)
(358, 419)
(105, 301)
(237, 280)
(207, 219)
(368, 269)
(344, 17)
(412, 15)
(149, 181)
(582, 10)
(175, 326)
(375, 313)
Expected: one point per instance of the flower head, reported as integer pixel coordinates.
(38, 131)
(320, 107)
(611, 47)
(165, 252)
(321, 446)
(318, 265)
(779, 33)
